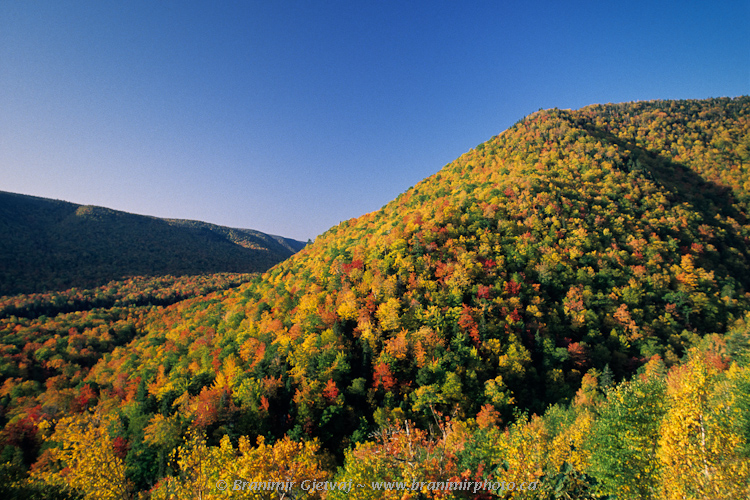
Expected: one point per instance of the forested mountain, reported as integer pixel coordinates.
(564, 306)
(55, 245)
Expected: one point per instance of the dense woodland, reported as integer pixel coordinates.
(566, 304)
(52, 245)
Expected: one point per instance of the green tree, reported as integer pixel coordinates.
(623, 439)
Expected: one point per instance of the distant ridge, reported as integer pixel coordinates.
(53, 245)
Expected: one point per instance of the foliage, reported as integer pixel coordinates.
(573, 293)
(623, 441)
(87, 459)
(701, 450)
(264, 471)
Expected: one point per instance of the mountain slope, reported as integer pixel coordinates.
(575, 240)
(53, 245)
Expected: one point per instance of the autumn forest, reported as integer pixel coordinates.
(566, 304)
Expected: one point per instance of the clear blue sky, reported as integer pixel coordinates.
(291, 116)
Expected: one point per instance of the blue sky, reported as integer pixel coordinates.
(291, 116)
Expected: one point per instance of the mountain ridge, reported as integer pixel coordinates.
(54, 245)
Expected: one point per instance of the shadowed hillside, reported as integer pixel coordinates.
(54, 245)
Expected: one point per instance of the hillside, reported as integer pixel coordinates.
(55, 245)
(574, 240)
(566, 304)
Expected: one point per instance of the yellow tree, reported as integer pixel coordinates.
(699, 446)
(201, 468)
(264, 471)
(286, 469)
(526, 451)
(84, 458)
